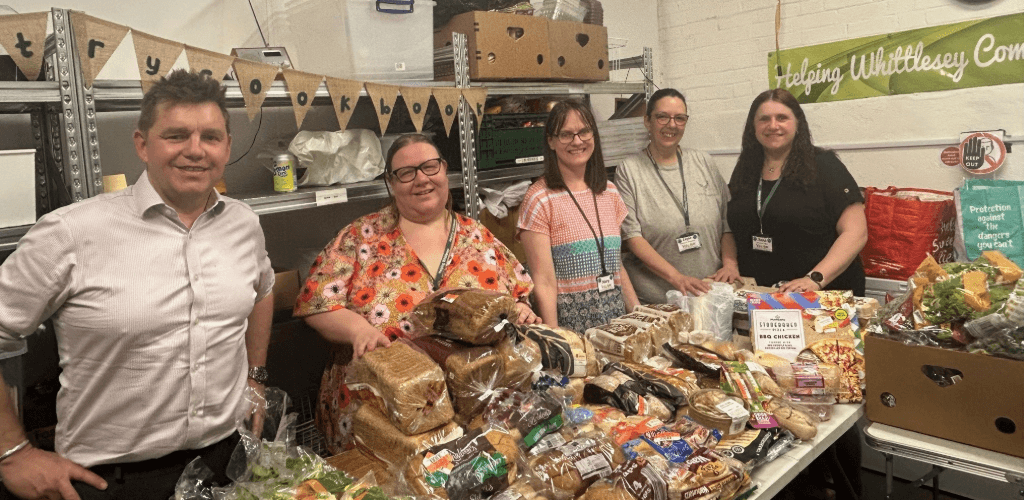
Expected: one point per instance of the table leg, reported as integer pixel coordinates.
(935, 487)
(888, 475)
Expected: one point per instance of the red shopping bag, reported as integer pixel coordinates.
(904, 226)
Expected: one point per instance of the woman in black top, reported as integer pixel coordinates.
(811, 226)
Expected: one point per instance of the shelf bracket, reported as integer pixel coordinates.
(467, 139)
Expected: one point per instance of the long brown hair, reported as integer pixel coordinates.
(596, 177)
(401, 142)
(800, 167)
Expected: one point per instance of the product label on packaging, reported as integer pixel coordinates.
(777, 331)
(641, 480)
(593, 465)
(736, 412)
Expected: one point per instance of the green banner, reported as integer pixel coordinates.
(954, 56)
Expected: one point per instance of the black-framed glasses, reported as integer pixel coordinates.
(679, 120)
(429, 167)
(566, 137)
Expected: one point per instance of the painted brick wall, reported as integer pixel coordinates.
(716, 54)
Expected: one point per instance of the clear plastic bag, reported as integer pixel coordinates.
(569, 469)
(479, 464)
(713, 311)
(479, 317)
(341, 157)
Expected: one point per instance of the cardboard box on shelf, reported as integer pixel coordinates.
(578, 51)
(286, 288)
(500, 46)
(974, 399)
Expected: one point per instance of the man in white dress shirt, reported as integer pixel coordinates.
(161, 301)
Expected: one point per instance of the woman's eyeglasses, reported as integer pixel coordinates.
(566, 137)
(680, 120)
(429, 167)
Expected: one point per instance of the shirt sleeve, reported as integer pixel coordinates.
(624, 183)
(721, 189)
(841, 189)
(266, 281)
(37, 278)
(535, 212)
(621, 212)
(330, 277)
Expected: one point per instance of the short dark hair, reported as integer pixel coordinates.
(182, 87)
(596, 177)
(661, 94)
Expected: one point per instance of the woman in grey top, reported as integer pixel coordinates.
(676, 229)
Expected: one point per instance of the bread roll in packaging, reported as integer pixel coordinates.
(637, 479)
(621, 342)
(479, 317)
(404, 384)
(563, 351)
(376, 436)
(476, 465)
(680, 320)
(528, 416)
(618, 389)
(521, 358)
(706, 475)
(569, 469)
(474, 373)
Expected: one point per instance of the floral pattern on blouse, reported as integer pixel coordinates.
(369, 268)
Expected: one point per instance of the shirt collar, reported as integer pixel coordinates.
(146, 197)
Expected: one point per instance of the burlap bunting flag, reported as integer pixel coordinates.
(204, 61)
(254, 80)
(448, 102)
(96, 40)
(23, 36)
(477, 99)
(155, 56)
(416, 99)
(302, 89)
(344, 95)
(383, 98)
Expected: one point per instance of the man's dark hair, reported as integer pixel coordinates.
(182, 87)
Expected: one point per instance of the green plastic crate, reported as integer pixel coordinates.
(506, 142)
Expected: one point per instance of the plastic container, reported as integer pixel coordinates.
(511, 140)
(716, 409)
(808, 378)
(358, 39)
(562, 10)
(819, 405)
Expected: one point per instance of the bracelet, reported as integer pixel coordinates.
(14, 450)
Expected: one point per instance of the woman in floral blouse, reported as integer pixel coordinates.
(363, 286)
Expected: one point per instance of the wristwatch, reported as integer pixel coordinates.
(817, 278)
(259, 374)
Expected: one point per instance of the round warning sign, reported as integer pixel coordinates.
(982, 153)
(951, 156)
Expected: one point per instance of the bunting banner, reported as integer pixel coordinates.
(254, 80)
(344, 95)
(416, 99)
(23, 36)
(383, 98)
(302, 88)
(205, 61)
(448, 102)
(155, 56)
(96, 40)
(477, 99)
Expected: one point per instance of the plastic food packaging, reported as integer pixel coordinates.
(672, 386)
(701, 361)
(404, 384)
(567, 390)
(480, 317)
(637, 479)
(715, 409)
(621, 342)
(476, 465)
(521, 358)
(808, 378)
(795, 418)
(738, 379)
(618, 389)
(679, 319)
(529, 416)
(752, 446)
(713, 311)
(341, 157)
(473, 373)
(563, 351)
(569, 469)
(376, 436)
(819, 405)
(707, 475)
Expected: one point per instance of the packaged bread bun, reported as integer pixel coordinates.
(474, 373)
(528, 416)
(521, 358)
(569, 469)
(479, 317)
(618, 389)
(637, 479)
(376, 436)
(525, 488)
(680, 320)
(476, 465)
(707, 475)
(802, 423)
(562, 351)
(621, 342)
(404, 384)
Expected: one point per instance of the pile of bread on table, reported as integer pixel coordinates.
(643, 408)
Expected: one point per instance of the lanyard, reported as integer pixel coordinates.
(598, 242)
(761, 208)
(684, 207)
(446, 256)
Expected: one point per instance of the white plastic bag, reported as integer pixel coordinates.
(341, 157)
(712, 311)
(498, 201)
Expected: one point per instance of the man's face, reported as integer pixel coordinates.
(185, 151)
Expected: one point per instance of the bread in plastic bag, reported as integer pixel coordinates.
(375, 435)
(341, 157)
(707, 475)
(618, 389)
(473, 373)
(637, 479)
(529, 416)
(563, 351)
(569, 469)
(521, 358)
(678, 318)
(404, 384)
(621, 342)
(567, 390)
(479, 317)
(794, 418)
(479, 464)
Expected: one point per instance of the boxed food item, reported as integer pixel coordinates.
(978, 405)
(500, 46)
(785, 323)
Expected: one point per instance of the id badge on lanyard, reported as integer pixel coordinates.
(605, 283)
(688, 241)
(762, 242)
